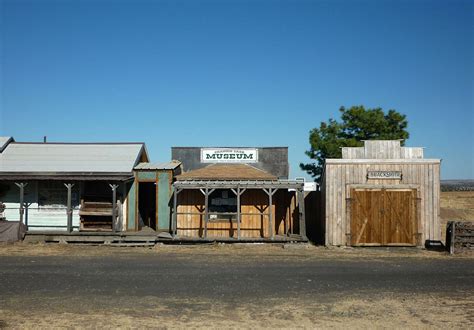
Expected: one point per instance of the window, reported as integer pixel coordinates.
(222, 205)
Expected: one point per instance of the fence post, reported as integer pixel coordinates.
(453, 237)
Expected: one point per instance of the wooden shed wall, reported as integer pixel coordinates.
(338, 179)
(253, 225)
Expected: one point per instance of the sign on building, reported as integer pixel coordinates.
(229, 155)
(384, 175)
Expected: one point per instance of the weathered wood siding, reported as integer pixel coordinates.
(340, 177)
(254, 215)
(382, 150)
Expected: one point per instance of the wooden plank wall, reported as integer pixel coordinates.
(339, 178)
(389, 149)
(253, 224)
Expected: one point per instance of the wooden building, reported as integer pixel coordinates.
(237, 194)
(150, 196)
(381, 194)
(70, 186)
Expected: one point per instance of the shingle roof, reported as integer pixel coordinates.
(227, 172)
(71, 157)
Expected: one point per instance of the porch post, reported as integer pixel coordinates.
(22, 186)
(302, 214)
(238, 213)
(270, 193)
(206, 210)
(270, 211)
(238, 192)
(114, 206)
(69, 206)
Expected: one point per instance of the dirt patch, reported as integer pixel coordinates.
(389, 310)
(303, 251)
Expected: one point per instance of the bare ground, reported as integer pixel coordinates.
(362, 306)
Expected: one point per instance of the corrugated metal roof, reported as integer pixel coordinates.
(158, 166)
(4, 141)
(70, 157)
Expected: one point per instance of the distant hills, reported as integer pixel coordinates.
(457, 185)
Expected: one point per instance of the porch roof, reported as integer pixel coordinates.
(247, 184)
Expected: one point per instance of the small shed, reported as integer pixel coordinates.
(150, 196)
(381, 194)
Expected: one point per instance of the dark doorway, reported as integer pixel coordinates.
(147, 204)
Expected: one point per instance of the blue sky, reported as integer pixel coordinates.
(236, 73)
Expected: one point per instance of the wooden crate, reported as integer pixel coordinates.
(95, 216)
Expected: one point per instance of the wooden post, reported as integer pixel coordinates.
(114, 205)
(270, 212)
(453, 237)
(238, 192)
(238, 213)
(22, 186)
(26, 216)
(206, 193)
(206, 210)
(302, 214)
(69, 206)
(174, 221)
(270, 193)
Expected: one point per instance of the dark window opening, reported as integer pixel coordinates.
(222, 205)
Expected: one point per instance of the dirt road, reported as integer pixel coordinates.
(233, 286)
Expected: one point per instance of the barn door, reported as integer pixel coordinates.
(366, 224)
(383, 217)
(399, 217)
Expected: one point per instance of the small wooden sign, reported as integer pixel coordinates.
(384, 175)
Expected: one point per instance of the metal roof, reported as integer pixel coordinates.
(20, 157)
(158, 166)
(4, 141)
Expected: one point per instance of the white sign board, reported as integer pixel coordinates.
(229, 155)
(384, 175)
(310, 186)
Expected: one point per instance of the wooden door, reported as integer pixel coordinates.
(383, 217)
(399, 217)
(366, 224)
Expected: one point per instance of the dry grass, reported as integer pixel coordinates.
(456, 205)
(251, 250)
(360, 312)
